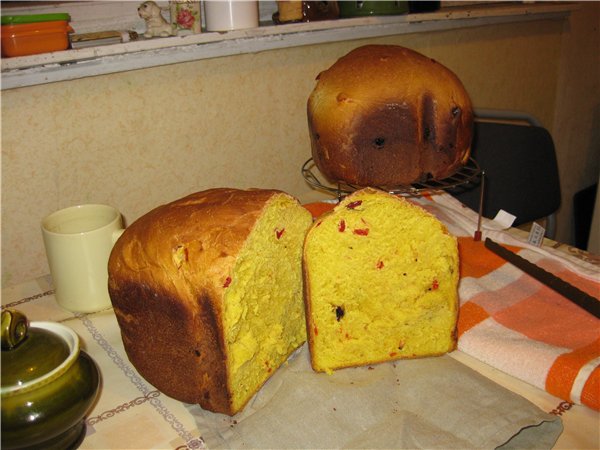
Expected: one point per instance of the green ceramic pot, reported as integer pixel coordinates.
(372, 8)
(48, 384)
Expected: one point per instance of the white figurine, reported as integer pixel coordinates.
(156, 25)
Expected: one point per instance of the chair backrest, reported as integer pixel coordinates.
(521, 173)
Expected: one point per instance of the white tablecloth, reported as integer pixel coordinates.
(132, 414)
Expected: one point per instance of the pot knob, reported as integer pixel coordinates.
(14, 328)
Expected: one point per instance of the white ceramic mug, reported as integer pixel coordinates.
(226, 15)
(78, 242)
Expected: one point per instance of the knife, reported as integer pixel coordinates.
(582, 299)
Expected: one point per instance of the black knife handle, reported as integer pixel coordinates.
(577, 296)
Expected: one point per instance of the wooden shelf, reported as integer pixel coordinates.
(73, 64)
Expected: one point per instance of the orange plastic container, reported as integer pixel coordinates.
(22, 35)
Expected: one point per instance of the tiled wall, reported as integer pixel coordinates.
(138, 139)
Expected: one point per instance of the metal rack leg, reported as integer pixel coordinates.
(477, 236)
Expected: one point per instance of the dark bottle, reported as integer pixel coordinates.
(305, 11)
(423, 6)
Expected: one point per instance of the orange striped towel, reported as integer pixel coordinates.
(514, 323)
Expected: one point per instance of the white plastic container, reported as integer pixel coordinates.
(227, 15)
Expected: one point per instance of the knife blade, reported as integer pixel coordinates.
(582, 299)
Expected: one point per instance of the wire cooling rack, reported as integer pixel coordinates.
(469, 173)
(467, 177)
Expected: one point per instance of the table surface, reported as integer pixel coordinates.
(131, 414)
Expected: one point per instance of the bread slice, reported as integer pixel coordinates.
(207, 291)
(381, 283)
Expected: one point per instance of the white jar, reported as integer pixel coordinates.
(226, 15)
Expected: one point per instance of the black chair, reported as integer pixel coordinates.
(518, 159)
(583, 213)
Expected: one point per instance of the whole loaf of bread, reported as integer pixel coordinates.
(385, 115)
(207, 291)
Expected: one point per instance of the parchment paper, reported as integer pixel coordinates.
(423, 403)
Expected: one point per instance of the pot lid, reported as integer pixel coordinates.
(33, 18)
(30, 352)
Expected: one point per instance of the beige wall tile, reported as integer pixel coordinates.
(142, 138)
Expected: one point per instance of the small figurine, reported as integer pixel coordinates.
(156, 25)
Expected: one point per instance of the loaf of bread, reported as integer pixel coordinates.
(381, 283)
(384, 115)
(207, 291)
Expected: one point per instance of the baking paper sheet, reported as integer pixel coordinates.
(422, 403)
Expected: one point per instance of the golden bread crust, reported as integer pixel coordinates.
(385, 115)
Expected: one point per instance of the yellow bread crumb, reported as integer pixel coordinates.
(263, 308)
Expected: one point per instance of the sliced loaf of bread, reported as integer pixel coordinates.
(207, 291)
(381, 283)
